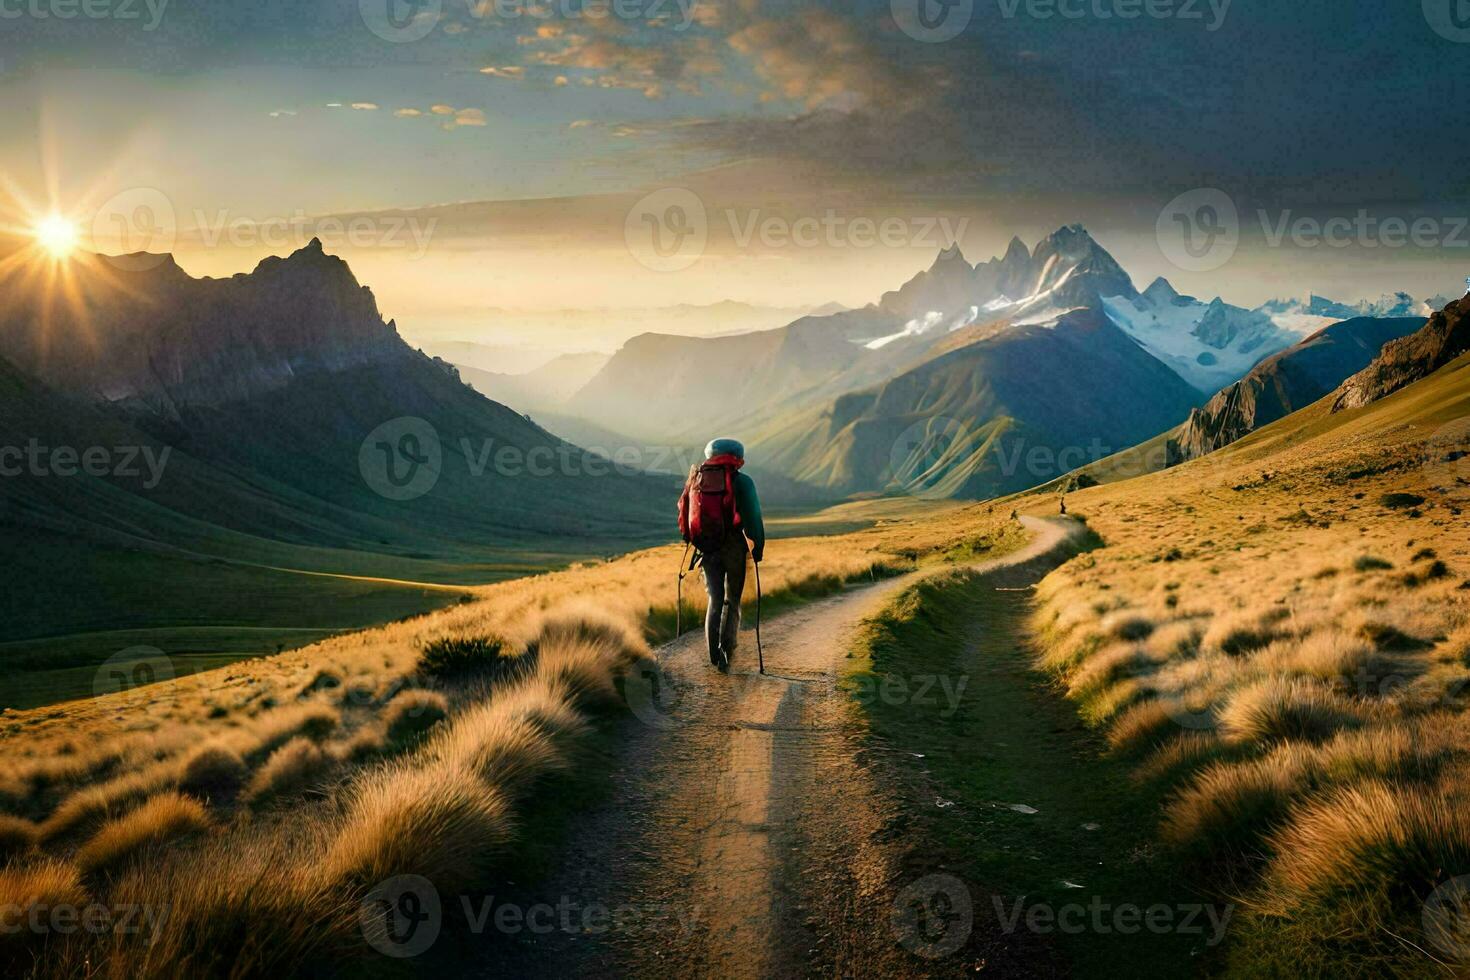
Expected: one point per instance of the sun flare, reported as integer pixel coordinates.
(57, 235)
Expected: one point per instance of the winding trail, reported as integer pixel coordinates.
(746, 834)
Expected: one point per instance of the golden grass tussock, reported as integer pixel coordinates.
(163, 818)
(1303, 691)
(1282, 709)
(17, 836)
(1370, 838)
(252, 903)
(412, 713)
(34, 888)
(212, 771)
(1240, 632)
(503, 744)
(86, 808)
(1229, 806)
(440, 821)
(290, 770)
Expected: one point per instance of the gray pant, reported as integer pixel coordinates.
(724, 580)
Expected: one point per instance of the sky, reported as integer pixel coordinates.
(468, 155)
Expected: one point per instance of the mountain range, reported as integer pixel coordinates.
(818, 399)
(1288, 381)
(296, 431)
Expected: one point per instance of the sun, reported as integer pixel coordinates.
(57, 235)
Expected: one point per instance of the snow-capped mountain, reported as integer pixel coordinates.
(1067, 271)
(1209, 345)
(1213, 344)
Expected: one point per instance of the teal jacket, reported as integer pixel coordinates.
(748, 506)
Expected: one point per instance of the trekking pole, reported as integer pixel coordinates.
(679, 596)
(760, 654)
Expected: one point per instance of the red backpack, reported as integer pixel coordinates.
(707, 514)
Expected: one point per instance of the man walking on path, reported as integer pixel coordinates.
(719, 511)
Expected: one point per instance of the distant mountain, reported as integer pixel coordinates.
(1402, 362)
(1067, 271)
(544, 389)
(291, 418)
(1002, 414)
(1288, 381)
(159, 339)
(1207, 344)
(658, 386)
(675, 389)
(494, 358)
(1212, 344)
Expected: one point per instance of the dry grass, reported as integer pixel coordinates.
(17, 836)
(164, 818)
(213, 771)
(290, 771)
(411, 714)
(441, 822)
(1303, 688)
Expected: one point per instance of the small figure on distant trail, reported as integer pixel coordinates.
(1015, 516)
(718, 511)
(1062, 501)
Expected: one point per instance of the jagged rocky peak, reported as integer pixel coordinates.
(1161, 292)
(950, 258)
(162, 337)
(1402, 362)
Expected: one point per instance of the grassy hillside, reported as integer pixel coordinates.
(182, 456)
(1276, 638)
(989, 418)
(262, 801)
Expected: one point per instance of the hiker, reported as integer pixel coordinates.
(718, 512)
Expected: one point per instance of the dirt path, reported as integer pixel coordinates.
(745, 835)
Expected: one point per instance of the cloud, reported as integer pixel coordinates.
(407, 113)
(613, 61)
(366, 106)
(470, 117)
(442, 110)
(509, 71)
